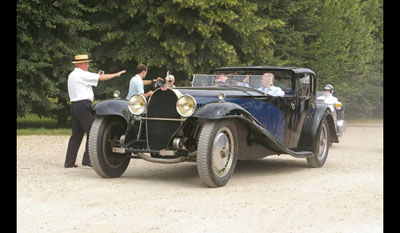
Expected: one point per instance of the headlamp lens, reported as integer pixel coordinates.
(137, 104)
(186, 105)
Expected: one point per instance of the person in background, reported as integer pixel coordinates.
(136, 84)
(170, 80)
(267, 85)
(328, 98)
(80, 82)
(234, 81)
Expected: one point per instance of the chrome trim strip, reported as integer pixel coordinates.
(162, 119)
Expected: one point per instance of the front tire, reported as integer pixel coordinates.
(217, 151)
(102, 134)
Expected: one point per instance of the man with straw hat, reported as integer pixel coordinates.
(80, 82)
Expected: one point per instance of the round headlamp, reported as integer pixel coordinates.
(137, 104)
(116, 94)
(186, 105)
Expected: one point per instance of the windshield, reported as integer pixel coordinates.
(257, 81)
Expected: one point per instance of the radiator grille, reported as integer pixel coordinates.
(162, 104)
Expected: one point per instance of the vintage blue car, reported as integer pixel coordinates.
(227, 115)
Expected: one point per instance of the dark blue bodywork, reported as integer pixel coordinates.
(267, 114)
(266, 125)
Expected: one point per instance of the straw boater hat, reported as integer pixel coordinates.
(81, 59)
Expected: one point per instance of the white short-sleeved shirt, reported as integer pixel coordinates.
(272, 90)
(136, 86)
(80, 84)
(330, 100)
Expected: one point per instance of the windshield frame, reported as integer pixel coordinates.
(284, 79)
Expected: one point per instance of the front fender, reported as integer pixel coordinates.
(118, 107)
(219, 110)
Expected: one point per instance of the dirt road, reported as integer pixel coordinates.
(275, 194)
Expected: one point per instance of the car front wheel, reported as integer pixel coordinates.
(105, 132)
(217, 152)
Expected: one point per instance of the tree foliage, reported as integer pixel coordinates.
(49, 33)
(340, 40)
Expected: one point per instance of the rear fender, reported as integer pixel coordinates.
(313, 120)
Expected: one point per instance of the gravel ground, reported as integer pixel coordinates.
(274, 194)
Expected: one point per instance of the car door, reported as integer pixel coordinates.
(299, 105)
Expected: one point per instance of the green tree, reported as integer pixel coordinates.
(49, 34)
(345, 50)
(339, 40)
(183, 36)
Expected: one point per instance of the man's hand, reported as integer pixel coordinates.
(148, 94)
(121, 72)
(159, 79)
(104, 77)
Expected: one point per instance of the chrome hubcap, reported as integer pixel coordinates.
(222, 152)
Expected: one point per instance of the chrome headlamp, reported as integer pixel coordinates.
(186, 105)
(137, 104)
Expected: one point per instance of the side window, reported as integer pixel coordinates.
(304, 85)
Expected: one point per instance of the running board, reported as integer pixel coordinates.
(300, 154)
(270, 141)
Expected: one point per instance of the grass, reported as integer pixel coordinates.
(43, 131)
(32, 124)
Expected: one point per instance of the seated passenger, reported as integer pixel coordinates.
(239, 81)
(221, 80)
(170, 80)
(267, 85)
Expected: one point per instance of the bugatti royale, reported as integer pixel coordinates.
(225, 116)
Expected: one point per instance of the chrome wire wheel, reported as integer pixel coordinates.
(222, 152)
(323, 142)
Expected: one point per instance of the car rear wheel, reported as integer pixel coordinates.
(104, 133)
(217, 152)
(321, 146)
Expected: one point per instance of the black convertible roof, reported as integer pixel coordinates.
(294, 69)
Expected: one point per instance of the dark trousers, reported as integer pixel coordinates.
(82, 120)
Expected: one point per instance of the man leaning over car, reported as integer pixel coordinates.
(80, 82)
